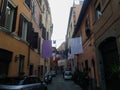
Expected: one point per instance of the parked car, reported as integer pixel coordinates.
(53, 73)
(67, 75)
(22, 83)
(48, 78)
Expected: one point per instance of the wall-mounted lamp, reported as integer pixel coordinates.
(19, 57)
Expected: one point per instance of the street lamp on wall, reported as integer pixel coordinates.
(19, 57)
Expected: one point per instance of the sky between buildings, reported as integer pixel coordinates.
(60, 10)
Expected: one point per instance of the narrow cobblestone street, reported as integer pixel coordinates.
(58, 83)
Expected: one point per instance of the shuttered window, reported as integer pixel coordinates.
(21, 64)
(87, 27)
(44, 33)
(47, 35)
(23, 28)
(8, 13)
(3, 10)
(34, 44)
(28, 2)
(40, 21)
(39, 45)
(10, 17)
(29, 33)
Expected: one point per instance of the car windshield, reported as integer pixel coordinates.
(10, 81)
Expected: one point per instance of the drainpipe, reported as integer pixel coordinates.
(28, 63)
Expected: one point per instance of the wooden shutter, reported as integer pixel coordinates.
(35, 40)
(3, 10)
(28, 2)
(39, 45)
(29, 32)
(20, 25)
(14, 19)
(44, 33)
(40, 21)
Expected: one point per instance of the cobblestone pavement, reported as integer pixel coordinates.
(58, 83)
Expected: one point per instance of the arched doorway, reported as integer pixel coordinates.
(110, 57)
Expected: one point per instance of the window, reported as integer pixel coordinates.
(38, 70)
(40, 20)
(3, 5)
(86, 65)
(87, 27)
(31, 69)
(30, 33)
(23, 26)
(10, 17)
(98, 11)
(41, 70)
(28, 2)
(87, 22)
(33, 9)
(100, 6)
(44, 34)
(47, 35)
(35, 41)
(39, 45)
(40, 1)
(21, 64)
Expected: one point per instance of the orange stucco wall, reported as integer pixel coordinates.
(17, 47)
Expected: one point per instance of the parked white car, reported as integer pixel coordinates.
(67, 75)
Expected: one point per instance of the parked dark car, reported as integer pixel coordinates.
(48, 78)
(22, 83)
(53, 73)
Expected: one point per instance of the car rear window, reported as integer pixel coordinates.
(68, 73)
(10, 81)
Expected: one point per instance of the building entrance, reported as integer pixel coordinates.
(5, 58)
(110, 57)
